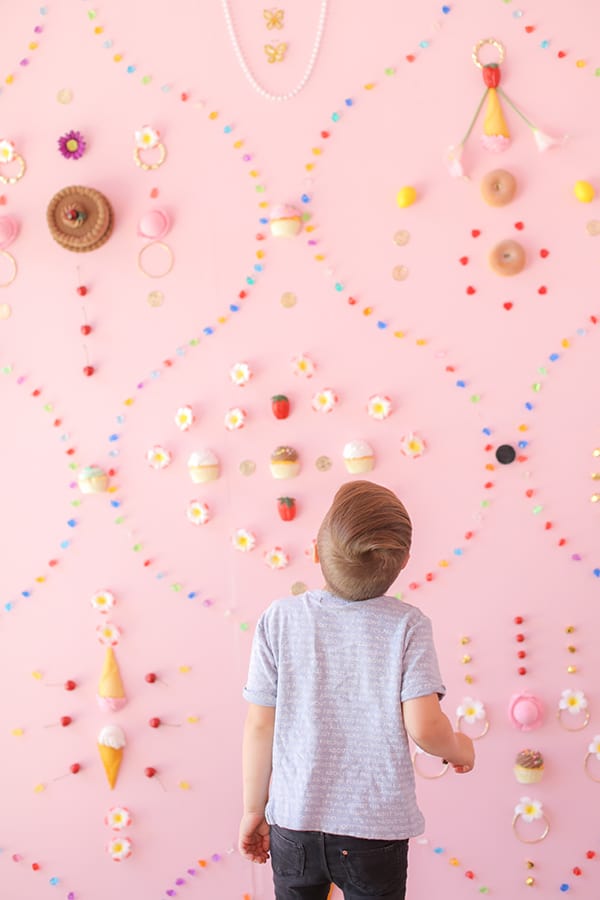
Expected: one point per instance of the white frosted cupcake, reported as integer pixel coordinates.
(358, 457)
(203, 466)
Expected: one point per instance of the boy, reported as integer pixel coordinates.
(338, 679)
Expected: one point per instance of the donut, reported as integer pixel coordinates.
(498, 187)
(507, 258)
(80, 218)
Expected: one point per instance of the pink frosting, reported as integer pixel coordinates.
(111, 704)
(283, 211)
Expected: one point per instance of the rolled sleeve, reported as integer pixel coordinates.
(420, 671)
(261, 686)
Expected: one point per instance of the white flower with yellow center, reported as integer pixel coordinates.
(594, 747)
(529, 809)
(412, 445)
(303, 365)
(184, 418)
(103, 601)
(7, 151)
(240, 374)
(118, 818)
(276, 558)
(324, 401)
(235, 419)
(147, 138)
(198, 513)
(379, 407)
(108, 634)
(119, 848)
(574, 701)
(243, 540)
(158, 457)
(471, 710)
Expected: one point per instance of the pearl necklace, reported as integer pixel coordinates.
(246, 69)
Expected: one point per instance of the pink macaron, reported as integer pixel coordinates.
(9, 229)
(154, 224)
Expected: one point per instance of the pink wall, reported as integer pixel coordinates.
(415, 340)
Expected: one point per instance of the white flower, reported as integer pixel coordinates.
(240, 374)
(325, 400)
(379, 407)
(574, 701)
(117, 818)
(235, 419)
(303, 365)
(147, 138)
(471, 710)
(276, 558)
(184, 417)
(198, 513)
(119, 848)
(412, 445)
(158, 457)
(103, 601)
(546, 141)
(452, 159)
(529, 809)
(594, 747)
(7, 151)
(108, 634)
(243, 540)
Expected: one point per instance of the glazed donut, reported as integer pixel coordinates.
(498, 187)
(507, 258)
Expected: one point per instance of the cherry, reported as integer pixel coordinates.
(149, 772)
(518, 620)
(154, 723)
(88, 371)
(82, 290)
(75, 768)
(70, 685)
(151, 677)
(86, 329)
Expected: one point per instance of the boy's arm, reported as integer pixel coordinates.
(431, 730)
(257, 752)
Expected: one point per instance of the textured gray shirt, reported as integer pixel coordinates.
(336, 672)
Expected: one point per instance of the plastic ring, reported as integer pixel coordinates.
(579, 727)
(422, 774)
(13, 263)
(494, 43)
(162, 151)
(477, 737)
(170, 259)
(536, 840)
(586, 770)
(5, 179)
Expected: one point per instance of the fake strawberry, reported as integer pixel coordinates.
(286, 507)
(280, 406)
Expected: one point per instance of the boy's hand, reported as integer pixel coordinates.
(464, 759)
(255, 837)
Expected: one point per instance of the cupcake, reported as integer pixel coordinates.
(203, 466)
(92, 480)
(358, 456)
(529, 767)
(285, 221)
(284, 462)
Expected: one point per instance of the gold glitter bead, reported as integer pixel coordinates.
(530, 881)
(465, 640)
(571, 669)
(595, 476)
(247, 467)
(288, 300)
(466, 658)
(323, 463)
(595, 498)
(596, 451)
(530, 864)
(572, 649)
(469, 679)
(400, 273)
(569, 629)
(401, 238)
(156, 298)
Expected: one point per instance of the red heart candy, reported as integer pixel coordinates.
(529, 492)
(410, 58)
(507, 305)
(464, 260)
(184, 97)
(561, 54)
(475, 233)
(548, 526)
(325, 134)
(542, 290)
(154, 193)
(529, 28)
(562, 542)
(352, 301)
(544, 253)
(470, 289)
(519, 226)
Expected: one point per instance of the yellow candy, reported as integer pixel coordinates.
(39, 789)
(584, 191)
(406, 196)
(17, 732)
(185, 669)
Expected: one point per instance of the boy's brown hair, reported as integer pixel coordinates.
(364, 540)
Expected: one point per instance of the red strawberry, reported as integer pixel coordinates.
(286, 507)
(280, 406)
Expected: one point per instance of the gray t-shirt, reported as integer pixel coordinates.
(337, 672)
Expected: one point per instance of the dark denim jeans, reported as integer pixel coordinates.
(305, 863)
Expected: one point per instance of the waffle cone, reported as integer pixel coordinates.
(111, 760)
(110, 684)
(494, 123)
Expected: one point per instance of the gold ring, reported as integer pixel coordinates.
(559, 713)
(162, 155)
(429, 777)
(499, 47)
(164, 247)
(13, 263)
(476, 737)
(14, 178)
(585, 766)
(536, 840)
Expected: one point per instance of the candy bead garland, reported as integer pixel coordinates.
(32, 46)
(65, 438)
(453, 862)
(53, 880)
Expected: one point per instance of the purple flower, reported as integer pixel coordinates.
(72, 145)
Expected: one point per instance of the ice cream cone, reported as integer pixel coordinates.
(111, 694)
(111, 742)
(496, 135)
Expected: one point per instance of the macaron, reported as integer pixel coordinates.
(154, 224)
